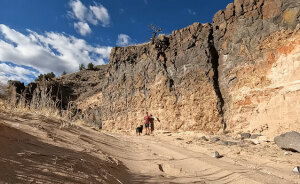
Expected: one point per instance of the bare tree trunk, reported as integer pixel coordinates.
(155, 30)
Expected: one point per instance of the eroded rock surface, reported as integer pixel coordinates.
(258, 42)
(175, 79)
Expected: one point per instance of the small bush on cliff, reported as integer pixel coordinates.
(81, 67)
(64, 73)
(90, 66)
(47, 77)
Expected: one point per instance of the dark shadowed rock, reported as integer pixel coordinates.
(189, 142)
(289, 141)
(203, 138)
(245, 135)
(214, 139)
(19, 86)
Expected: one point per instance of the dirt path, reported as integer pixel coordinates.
(36, 149)
(159, 160)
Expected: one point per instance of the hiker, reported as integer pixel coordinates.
(152, 122)
(147, 123)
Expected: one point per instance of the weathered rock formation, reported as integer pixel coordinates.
(258, 42)
(175, 79)
(240, 72)
(289, 141)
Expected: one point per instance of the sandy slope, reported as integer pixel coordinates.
(40, 150)
(36, 150)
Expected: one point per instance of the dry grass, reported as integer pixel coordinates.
(41, 103)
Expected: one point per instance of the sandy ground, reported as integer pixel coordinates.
(36, 149)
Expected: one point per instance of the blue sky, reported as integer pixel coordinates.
(40, 36)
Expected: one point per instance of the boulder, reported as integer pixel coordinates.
(216, 155)
(296, 170)
(214, 139)
(245, 135)
(203, 138)
(289, 141)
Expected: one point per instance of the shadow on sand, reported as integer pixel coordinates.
(25, 159)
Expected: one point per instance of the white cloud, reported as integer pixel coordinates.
(101, 14)
(191, 12)
(48, 52)
(11, 72)
(79, 10)
(83, 28)
(93, 15)
(104, 51)
(124, 40)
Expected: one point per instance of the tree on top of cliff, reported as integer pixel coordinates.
(48, 76)
(155, 29)
(90, 66)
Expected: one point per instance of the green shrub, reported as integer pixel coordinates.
(47, 77)
(90, 66)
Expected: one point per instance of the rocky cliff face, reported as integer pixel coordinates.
(239, 73)
(175, 79)
(258, 46)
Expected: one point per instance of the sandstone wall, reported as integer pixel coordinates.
(175, 79)
(258, 46)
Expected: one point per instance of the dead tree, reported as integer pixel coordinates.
(155, 30)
